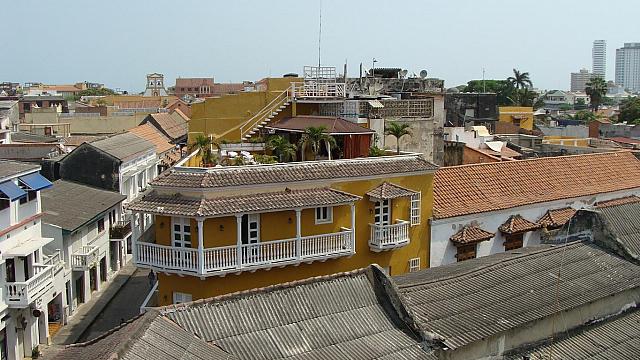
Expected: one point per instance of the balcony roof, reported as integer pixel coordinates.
(229, 205)
(388, 190)
(252, 175)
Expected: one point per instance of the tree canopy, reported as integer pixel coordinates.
(596, 89)
(630, 110)
(94, 92)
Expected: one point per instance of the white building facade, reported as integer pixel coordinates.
(82, 221)
(628, 66)
(484, 209)
(31, 277)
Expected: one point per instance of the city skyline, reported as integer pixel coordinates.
(231, 44)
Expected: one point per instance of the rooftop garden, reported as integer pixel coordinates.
(315, 143)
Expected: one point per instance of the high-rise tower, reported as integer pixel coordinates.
(599, 56)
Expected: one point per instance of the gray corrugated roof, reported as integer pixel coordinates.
(624, 221)
(471, 300)
(615, 338)
(333, 317)
(70, 205)
(124, 146)
(294, 172)
(10, 168)
(146, 337)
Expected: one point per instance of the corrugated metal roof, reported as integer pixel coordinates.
(124, 146)
(615, 338)
(145, 337)
(624, 222)
(70, 205)
(10, 168)
(471, 300)
(332, 317)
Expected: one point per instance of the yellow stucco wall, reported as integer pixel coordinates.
(525, 113)
(220, 116)
(275, 226)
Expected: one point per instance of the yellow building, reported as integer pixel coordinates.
(226, 229)
(521, 116)
(233, 117)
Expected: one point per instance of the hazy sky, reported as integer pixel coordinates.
(117, 42)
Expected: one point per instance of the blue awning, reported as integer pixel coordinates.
(11, 191)
(35, 181)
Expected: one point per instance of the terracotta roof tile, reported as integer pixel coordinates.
(477, 188)
(228, 205)
(293, 172)
(151, 134)
(174, 125)
(616, 202)
(517, 224)
(557, 217)
(470, 234)
(388, 190)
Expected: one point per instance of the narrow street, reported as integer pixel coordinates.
(124, 306)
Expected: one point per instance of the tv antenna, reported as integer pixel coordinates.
(320, 35)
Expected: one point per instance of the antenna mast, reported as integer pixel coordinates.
(319, 35)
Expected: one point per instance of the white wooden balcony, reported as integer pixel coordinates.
(21, 294)
(234, 259)
(54, 260)
(387, 237)
(84, 258)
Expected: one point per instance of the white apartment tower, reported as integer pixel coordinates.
(599, 57)
(628, 66)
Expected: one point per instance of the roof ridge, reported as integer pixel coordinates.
(516, 256)
(607, 153)
(262, 290)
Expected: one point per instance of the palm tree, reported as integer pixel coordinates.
(281, 147)
(203, 144)
(520, 80)
(314, 136)
(397, 130)
(596, 89)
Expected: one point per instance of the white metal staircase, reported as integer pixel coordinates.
(266, 114)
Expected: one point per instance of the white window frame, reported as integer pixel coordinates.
(415, 209)
(414, 264)
(322, 219)
(181, 222)
(180, 298)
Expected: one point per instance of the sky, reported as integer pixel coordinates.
(117, 42)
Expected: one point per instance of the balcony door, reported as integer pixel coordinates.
(382, 213)
(181, 232)
(250, 237)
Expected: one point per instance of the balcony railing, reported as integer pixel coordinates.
(387, 237)
(248, 257)
(54, 260)
(120, 230)
(85, 257)
(21, 294)
(318, 90)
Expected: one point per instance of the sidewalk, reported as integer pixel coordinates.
(86, 313)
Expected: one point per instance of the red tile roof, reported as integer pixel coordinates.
(470, 234)
(625, 140)
(557, 217)
(517, 224)
(334, 125)
(151, 134)
(471, 189)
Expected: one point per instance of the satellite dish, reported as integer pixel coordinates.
(403, 73)
(423, 74)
